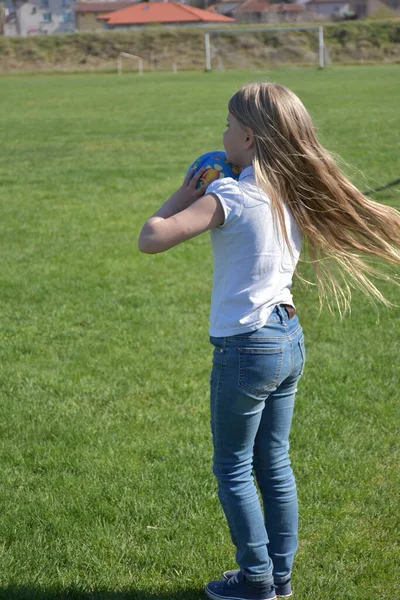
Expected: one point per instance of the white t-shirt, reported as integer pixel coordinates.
(253, 269)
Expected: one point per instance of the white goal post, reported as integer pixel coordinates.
(233, 31)
(126, 55)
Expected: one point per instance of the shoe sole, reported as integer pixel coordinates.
(278, 596)
(214, 596)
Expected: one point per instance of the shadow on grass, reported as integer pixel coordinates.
(32, 593)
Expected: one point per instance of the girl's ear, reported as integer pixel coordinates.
(249, 139)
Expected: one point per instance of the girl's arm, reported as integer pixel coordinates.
(186, 214)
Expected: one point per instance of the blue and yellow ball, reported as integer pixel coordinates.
(216, 167)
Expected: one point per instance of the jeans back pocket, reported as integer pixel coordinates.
(260, 369)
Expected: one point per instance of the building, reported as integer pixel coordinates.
(331, 9)
(39, 17)
(225, 7)
(327, 8)
(263, 11)
(266, 11)
(161, 13)
(87, 12)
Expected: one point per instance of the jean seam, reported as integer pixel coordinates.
(290, 342)
(221, 371)
(303, 355)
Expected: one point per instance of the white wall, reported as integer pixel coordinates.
(43, 17)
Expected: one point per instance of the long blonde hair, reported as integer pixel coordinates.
(336, 219)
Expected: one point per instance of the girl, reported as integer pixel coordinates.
(290, 188)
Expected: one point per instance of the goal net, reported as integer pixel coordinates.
(265, 47)
(129, 63)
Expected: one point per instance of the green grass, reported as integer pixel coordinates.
(106, 489)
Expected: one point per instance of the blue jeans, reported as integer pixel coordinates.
(253, 385)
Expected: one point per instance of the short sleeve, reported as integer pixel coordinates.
(230, 195)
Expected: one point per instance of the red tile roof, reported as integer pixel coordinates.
(100, 7)
(264, 6)
(162, 12)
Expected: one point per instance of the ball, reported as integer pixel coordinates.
(216, 167)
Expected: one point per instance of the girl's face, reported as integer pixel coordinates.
(236, 143)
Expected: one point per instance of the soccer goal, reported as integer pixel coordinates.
(214, 51)
(131, 56)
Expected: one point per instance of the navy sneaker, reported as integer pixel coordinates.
(239, 588)
(282, 590)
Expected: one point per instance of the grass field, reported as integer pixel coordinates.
(106, 491)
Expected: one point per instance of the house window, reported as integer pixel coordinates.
(47, 17)
(44, 3)
(65, 3)
(66, 16)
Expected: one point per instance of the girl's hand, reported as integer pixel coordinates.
(188, 193)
